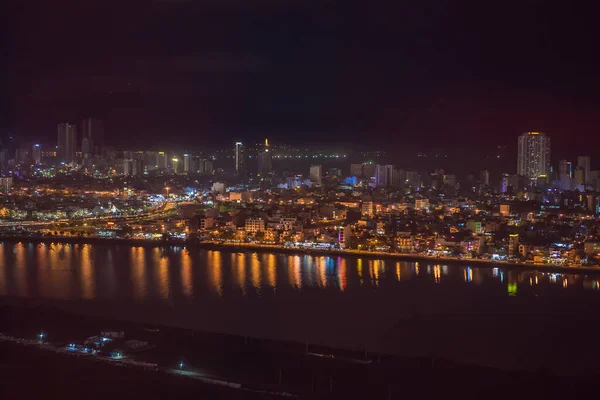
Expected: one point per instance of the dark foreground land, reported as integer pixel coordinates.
(262, 368)
(32, 373)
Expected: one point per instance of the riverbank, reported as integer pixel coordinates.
(265, 248)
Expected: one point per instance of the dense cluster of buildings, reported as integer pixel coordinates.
(543, 213)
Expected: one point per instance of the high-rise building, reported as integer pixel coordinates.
(398, 178)
(87, 147)
(356, 170)
(484, 177)
(316, 173)
(208, 167)
(383, 175)
(67, 135)
(93, 129)
(368, 170)
(513, 245)
(265, 160)
(239, 158)
(533, 159)
(151, 160)
(565, 169)
(36, 154)
(583, 162)
(413, 179)
(580, 176)
(344, 234)
(367, 209)
(162, 160)
(187, 163)
(175, 165)
(504, 183)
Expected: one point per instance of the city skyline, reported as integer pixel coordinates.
(413, 80)
(281, 198)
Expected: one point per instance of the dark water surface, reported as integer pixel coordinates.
(490, 316)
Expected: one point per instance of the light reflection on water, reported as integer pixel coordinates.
(65, 271)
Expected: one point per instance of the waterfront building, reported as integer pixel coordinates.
(345, 232)
(254, 225)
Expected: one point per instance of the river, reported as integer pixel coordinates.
(476, 314)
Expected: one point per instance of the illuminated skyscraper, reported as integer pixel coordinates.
(67, 135)
(565, 169)
(484, 177)
(583, 162)
(533, 158)
(162, 160)
(383, 175)
(316, 172)
(93, 129)
(36, 154)
(187, 161)
(264, 160)
(239, 158)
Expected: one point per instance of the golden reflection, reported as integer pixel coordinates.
(43, 264)
(374, 269)
(238, 263)
(341, 265)
(398, 271)
(255, 271)
(163, 273)
(565, 283)
(359, 270)
(59, 263)
(215, 266)
(321, 276)
(186, 273)
(309, 271)
(272, 270)
(295, 271)
(417, 268)
(87, 273)
(437, 273)
(138, 270)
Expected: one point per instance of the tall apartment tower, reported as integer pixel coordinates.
(93, 130)
(533, 158)
(239, 158)
(583, 162)
(67, 135)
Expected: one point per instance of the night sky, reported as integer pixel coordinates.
(209, 72)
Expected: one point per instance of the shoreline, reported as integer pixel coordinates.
(262, 248)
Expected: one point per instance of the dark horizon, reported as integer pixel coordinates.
(162, 71)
